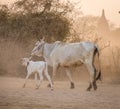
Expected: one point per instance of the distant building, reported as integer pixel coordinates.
(103, 27)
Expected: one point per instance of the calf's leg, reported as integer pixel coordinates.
(36, 80)
(41, 79)
(28, 74)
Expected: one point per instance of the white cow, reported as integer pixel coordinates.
(69, 54)
(39, 67)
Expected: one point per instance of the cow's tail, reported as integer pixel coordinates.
(98, 75)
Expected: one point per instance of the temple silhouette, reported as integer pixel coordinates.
(103, 26)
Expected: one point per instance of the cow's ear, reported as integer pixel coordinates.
(37, 42)
(43, 39)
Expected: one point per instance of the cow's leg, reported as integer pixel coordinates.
(28, 74)
(94, 82)
(55, 67)
(49, 79)
(70, 78)
(54, 72)
(92, 72)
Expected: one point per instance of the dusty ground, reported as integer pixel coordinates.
(13, 96)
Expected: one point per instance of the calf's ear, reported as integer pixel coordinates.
(21, 60)
(30, 58)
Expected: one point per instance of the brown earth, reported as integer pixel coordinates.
(13, 96)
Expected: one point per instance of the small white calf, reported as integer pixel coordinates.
(39, 67)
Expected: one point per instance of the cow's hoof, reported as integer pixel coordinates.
(95, 87)
(37, 87)
(49, 85)
(52, 89)
(23, 86)
(72, 85)
(88, 89)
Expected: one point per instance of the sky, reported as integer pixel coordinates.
(94, 7)
(111, 7)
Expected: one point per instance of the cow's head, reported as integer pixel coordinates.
(38, 49)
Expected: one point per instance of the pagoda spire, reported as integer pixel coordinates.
(103, 14)
(103, 27)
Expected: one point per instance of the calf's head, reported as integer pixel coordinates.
(25, 61)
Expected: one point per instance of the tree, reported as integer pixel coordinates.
(42, 18)
(4, 13)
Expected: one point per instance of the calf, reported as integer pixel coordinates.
(39, 67)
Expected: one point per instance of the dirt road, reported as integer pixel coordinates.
(13, 96)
